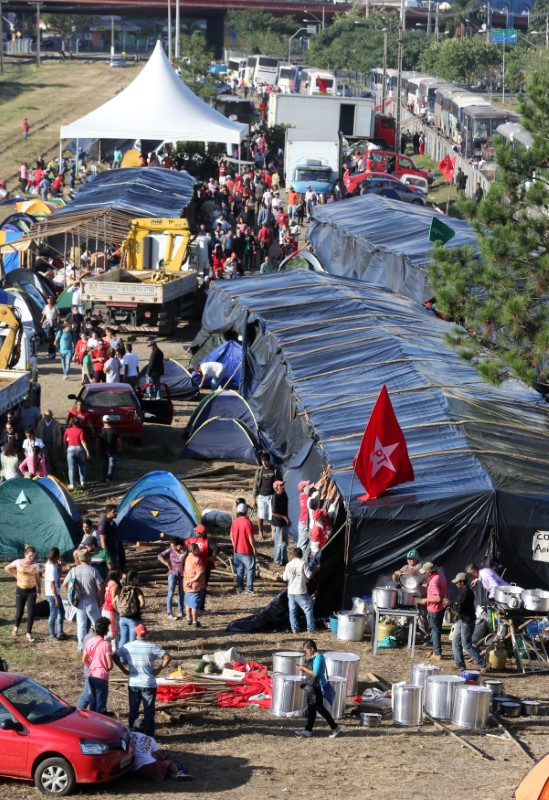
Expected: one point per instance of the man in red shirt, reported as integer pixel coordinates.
(242, 538)
(437, 600)
(265, 239)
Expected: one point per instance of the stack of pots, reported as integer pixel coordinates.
(288, 698)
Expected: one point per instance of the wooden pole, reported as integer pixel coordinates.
(460, 739)
(516, 741)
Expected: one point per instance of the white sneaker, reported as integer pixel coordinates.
(70, 486)
(335, 732)
(305, 734)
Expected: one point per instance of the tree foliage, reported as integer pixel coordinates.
(501, 297)
(260, 32)
(465, 60)
(196, 59)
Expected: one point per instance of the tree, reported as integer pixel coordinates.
(460, 60)
(196, 60)
(67, 23)
(262, 33)
(501, 296)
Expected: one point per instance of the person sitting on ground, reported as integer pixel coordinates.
(151, 761)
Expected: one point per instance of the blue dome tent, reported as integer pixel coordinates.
(176, 377)
(222, 403)
(224, 439)
(157, 504)
(61, 494)
(230, 354)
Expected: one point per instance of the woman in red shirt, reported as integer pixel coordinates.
(77, 452)
(84, 416)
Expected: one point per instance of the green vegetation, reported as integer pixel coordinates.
(460, 60)
(196, 59)
(260, 32)
(501, 297)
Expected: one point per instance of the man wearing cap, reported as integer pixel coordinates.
(110, 446)
(412, 567)
(155, 368)
(263, 492)
(242, 538)
(280, 520)
(464, 607)
(140, 656)
(437, 600)
(89, 584)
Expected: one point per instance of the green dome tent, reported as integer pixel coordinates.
(32, 515)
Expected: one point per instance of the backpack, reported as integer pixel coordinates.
(73, 591)
(126, 602)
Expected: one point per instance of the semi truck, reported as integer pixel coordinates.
(311, 160)
(156, 277)
(352, 117)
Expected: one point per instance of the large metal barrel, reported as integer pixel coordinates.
(471, 706)
(337, 708)
(343, 665)
(350, 626)
(286, 661)
(420, 672)
(439, 695)
(407, 705)
(288, 698)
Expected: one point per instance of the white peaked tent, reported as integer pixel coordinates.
(156, 105)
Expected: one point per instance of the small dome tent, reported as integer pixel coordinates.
(31, 514)
(222, 403)
(157, 504)
(61, 494)
(230, 354)
(176, 377)
(226, 439)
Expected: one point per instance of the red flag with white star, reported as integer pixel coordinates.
(382, 460)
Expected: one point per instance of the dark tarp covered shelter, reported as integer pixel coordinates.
(31, 514)
(157, 504)
(316, 351)
(226, 439)
(222, 403)
(176, 377)
(384, 242)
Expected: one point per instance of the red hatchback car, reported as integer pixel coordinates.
(57, 746)
(116, 400)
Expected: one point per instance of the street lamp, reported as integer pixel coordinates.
(321, 21)
(290, 43)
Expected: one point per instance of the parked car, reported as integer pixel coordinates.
(85, 45)
(116, 400)
(397, 164)
(389, 187)
(117, 61)
(54, 744)
(379, 180)
(51, 44)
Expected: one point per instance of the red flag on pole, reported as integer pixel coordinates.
(447, 166)
(382, 460)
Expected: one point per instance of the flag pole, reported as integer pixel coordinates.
(348, 523)
(448, 198)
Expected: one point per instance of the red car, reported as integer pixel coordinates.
(116, 400)
(57, 746)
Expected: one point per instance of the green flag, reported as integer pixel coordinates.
(440, 232)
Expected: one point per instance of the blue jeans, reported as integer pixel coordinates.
(463, 641)
(87, 610)
(280, 544)
(244, 562)
(435, 623)
(173, 581)
(99, 694)
(127, 630)
(109, 463)
(306, 605)
(84, 699)
(56, 613)
(148, 697)
(215, 383)
(76, 459)
(66, 358)
(303, 537)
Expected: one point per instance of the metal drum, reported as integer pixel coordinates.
(350, 627)
(337, 708)
(496, 687)
(343, 665)
(407, 705)
(286, 662)
(288, 698)
(471, 706)
(439, 695)
(420, 672)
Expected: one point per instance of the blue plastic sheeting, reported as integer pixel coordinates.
(11, 260)
(228, 404)
(316, 351)
(176, 377)
(230, 354)
(6, 299)
(383, 242)
(140, 191)
(61, 494)
(223, 439)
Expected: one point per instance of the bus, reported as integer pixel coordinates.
(238, 109)
(442, 105)
(318, 81)
(427, 96)
(410, 90)
(235, 68)
(261, 70)
(376, 82)
(289, 79)
(455, 117)
(479, 125)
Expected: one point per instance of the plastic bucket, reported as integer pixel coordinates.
(471, 676)
(333, 623)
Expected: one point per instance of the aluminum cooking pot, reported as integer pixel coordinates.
(406, 598)
(408, 581)
(385, 596)
(536, 600)
(509, 596)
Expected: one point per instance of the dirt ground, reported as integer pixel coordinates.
(245, 754)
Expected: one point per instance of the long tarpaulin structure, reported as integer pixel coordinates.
(316, 351)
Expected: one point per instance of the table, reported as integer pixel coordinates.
(531, 656)
(411, 613)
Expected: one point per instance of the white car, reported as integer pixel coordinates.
(117, 61)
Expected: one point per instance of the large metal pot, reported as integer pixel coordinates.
(288, 698)
(337, 708)
(471, 706)
(385, 597)
(439, 695)
(409, 582)
(406, 598)
(350, 627)
(509, 596)
(536, 600)
(420, 672)
(407, 705)
(286, 661)
(530, 708)
(343, 665)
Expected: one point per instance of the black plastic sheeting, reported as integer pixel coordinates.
(139, 191)
(384, 242)
(316, 351)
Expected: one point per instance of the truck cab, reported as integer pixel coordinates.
(315, 174)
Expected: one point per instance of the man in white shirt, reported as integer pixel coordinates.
(77, 296)
(212, 370)
(297, 574)
(130, 366)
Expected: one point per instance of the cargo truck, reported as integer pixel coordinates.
(311, 161)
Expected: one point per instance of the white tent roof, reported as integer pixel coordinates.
(156, 105)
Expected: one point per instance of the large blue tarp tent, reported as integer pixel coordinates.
(229, 354)
(222, 403)
(157, 504)
(176, 377)
(61, 494)
(224, 439)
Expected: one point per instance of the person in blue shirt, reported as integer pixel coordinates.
(315, 680)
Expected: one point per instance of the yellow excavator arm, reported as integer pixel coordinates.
(11, 345)
(173, 244)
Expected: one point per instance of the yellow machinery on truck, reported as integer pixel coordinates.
(157, 244)
(11, 344)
